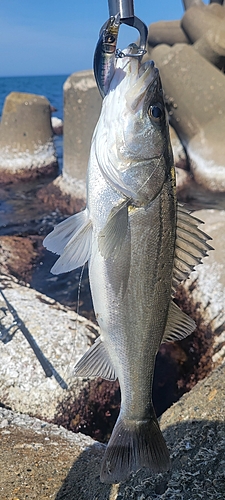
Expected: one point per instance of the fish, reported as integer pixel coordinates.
(140, 244)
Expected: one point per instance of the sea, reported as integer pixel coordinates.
(50, 87)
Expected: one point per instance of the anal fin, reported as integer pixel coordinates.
(179, 325)
(95, 363)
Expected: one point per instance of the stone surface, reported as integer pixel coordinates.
(64, 193)
(196, 100)
(211, 46)
(206, 151)
(82, 104)
(190, 3)
(26, 144)
(197, 95)
(62, 337)
(57, 125)
(180, 157)
(18, 255)
(42, 461)
(197, 21)
(169, 32)
(206, 285)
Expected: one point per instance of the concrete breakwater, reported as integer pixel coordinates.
(26, 137)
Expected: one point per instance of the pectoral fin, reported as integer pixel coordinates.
(72, 240)
(112, 236)
(96, 363)
(191, 246)
(178, 326)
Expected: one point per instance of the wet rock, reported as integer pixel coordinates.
(64, 193)
(62, 336)
(82, 104)
(19, 254)
(47, 461)
(57, 125)
(26, 144)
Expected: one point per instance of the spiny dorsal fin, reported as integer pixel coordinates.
(112, 236)
(95, 363)
(72, 240)
(191, 246)
(178, 326)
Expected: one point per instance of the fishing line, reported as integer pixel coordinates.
(73, 335)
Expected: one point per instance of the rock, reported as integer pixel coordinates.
(206, 285)
(197, 21)
(190, 3)
(206, 151)
(57, 125)
(180, 157)
(168, 32)
(183, 180)
(82, 104)
(26, 144)
(45, 461)
(196, 98)
(217, 9)
(211, 46)
(62, 337)
(18, 255)
(64, 193)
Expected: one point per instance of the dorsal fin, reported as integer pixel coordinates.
(191, 246)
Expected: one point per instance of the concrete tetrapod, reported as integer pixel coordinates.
(197, 21)
(211, 46)
(26, 137)
(82, 104)
(196, 97)
(169, 32)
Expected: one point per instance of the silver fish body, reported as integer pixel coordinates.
(139, 247)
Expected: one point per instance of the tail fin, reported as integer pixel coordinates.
(133, 445)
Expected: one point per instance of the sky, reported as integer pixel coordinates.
(53, 37)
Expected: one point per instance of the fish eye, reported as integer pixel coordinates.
(109, 39)
(156, 112)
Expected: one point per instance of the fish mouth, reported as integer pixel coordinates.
(147, 73)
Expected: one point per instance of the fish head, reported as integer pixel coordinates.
(135, 127)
